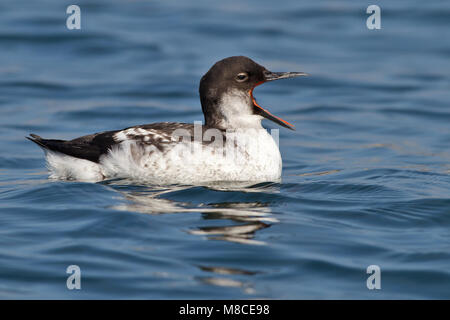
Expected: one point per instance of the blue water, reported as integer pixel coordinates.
(366, 177)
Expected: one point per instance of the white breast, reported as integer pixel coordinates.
(246, 155)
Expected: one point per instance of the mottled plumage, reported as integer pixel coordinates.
(231, 145)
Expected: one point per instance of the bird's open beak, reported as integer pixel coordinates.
(270, 76)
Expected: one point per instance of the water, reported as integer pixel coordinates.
(366, 175)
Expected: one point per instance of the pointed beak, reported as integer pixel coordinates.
(271, 76)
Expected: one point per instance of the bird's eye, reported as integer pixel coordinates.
(241, 77)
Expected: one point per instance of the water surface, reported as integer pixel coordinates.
(366, 175)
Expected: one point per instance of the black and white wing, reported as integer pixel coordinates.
(92, 147)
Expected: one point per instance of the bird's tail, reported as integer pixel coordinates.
(37, 139)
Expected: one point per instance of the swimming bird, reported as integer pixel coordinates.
(231, 145)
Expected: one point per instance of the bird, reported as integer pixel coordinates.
(231, 145)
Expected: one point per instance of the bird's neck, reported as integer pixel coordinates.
(233, 110)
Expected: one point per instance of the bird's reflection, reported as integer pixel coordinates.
(220, 279)
(239, 233)
(247, 217)
(243, 219)
(227, 271)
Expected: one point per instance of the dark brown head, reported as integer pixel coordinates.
(226, 93)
